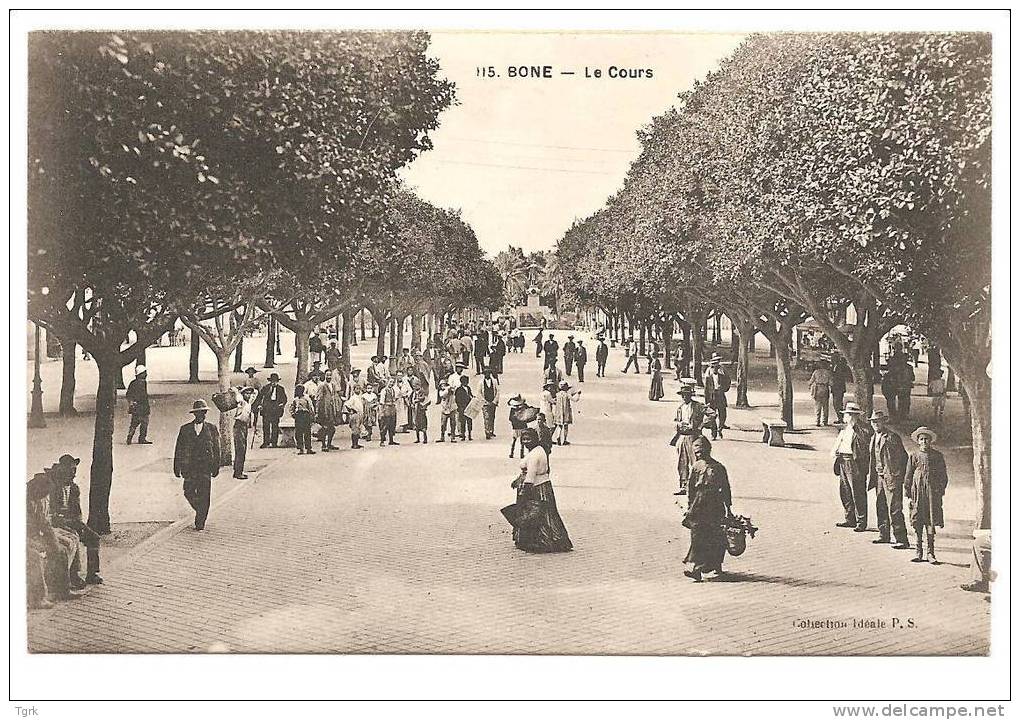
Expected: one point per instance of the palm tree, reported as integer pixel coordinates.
(552, 281)
(514, 269)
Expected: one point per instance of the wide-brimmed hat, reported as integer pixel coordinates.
(247, 390)
(879, 416)
(66, 459)
(549, 383)
(924, 431)
(199, 406)
(275, 377)
(570, 337)
(375, 358)
(852, 408)
(139, 369)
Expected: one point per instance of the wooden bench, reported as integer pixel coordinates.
(772, 432)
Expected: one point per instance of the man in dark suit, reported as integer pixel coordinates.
(270, 404)
(581, 358)
(481, 350)
(197, 460)
(887, 463)
(552, 350)
(601, 357)
(568, 354)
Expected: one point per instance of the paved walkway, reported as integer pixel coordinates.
(403, 550)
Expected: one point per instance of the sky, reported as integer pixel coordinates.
(524, 157)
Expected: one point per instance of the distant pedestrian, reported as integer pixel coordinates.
(488, 391)
(925, 483)
(850, 464)
(197, 461)
(840, 377)
(138, 406)
(563, 411)
(690, 417)
(420, 403)
(463, 396)
(496, 354)
(355, 406)
(818, 386)
(569, 348)
(388, 399)
(655, 391)
(937, 392)
(253, 380)
(302, 409)
(517, 423)
(601, 357)
(448, 409)
(631, 353)
(551, 348)
(539, 344)
(580, 359)
(333, 356)
(243, 420)
(270, 404)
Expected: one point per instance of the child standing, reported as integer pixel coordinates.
(925, 482)
(937, 392)
(463, 397)
(449, 409)
(563, 412)
(302, 410)
(517, 424)
(420, 417)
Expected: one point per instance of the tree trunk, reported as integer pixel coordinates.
(270, 343)
(641, 338)
(978, 388)
(784, 379)
(394, 331)
(864, 388)
(347, 339)
(698, 349)
(398, 350)
(239, 355)
(416, 325)
(667, 342)
(744, 331)
(101, 471)
(67, 381)
(302, 329)
(226, 420)
(380, 337)
(734, 342)
(934, 362)
(361, 322)
(193, 357)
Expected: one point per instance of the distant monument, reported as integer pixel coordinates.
(532, 313)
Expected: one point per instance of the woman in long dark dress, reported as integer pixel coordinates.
(709, 505)
(546, 532)
(655, 392)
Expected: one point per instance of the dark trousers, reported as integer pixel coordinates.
(903, 403)
(387, 427)
(197, 492)
(580, 372)
(479, 363)
(489, 418)
(569, 362)
(240, 447)
(270, 430)
(303, 431)
(632, 360)
(550, 361)
(889, 509)
(139, 422)
(600, 370)
(464, 423)
(853, 492)
(90, 539)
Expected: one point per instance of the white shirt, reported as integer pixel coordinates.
(243, 414)
(198, 428)
(844, 441)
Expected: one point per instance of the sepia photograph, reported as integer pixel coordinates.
(430, 341)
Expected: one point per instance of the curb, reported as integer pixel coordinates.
(147, 545)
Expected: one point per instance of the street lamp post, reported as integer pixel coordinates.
(35, 418)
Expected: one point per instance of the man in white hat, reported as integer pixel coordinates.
(197, 460)
(690, 417)
(887, 461)
(850, 464)
(138, 406)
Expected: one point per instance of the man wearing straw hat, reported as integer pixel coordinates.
(850, 464)
(197, 460)
(886, 462)
(690, 417)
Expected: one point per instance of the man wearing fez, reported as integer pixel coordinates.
(569, 348)
(887, 461)
(270, 404)
(197, 460)
(850, 464)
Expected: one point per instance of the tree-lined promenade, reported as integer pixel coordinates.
(225, 178)
(812, 175)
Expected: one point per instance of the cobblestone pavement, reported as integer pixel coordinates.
(403, 550)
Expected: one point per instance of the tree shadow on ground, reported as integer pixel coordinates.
(799, 446)
(746, 577)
